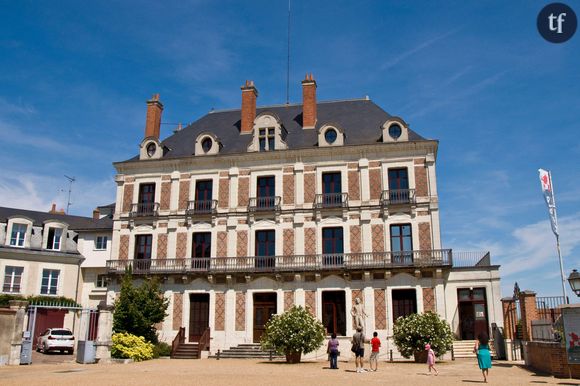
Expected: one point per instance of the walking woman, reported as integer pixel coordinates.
(481, 349)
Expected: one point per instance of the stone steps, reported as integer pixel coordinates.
(464, 349)
(244, 351)
(186, 351)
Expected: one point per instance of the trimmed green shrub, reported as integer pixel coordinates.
(161, 349)
(413, 332)
(38, 299)
(295, 331)
(129, 346)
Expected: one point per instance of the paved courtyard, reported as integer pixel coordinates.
(252, 372)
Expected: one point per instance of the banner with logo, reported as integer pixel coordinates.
(546, 181)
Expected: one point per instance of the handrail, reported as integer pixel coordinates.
(266, 203)
(397, 197)
(178, 340)
(201, 207)
(331, 200)
(203, 344)
(290, 263)
(145, 209)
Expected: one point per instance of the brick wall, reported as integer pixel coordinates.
(183, 194)
(224, 193)
(375, 184)
(177, 310)
(425, 236)
(243, 190)
(222, 244)
(165, 196)
(288, 185)
(353, 183)
(309, 187)
(421, 189)
(240, 311)
(310, 241)
(355, 239)
(220, 311)
(124, 247)
(550, 357)
(380, 310)
(428, 300)
(127, 197)
(181, 249)
(162, 246)
(378, 238)
(242, 243)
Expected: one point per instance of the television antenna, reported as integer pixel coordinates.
(70, 180)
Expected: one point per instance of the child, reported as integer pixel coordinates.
(375, 344)
(332, 350)
(431, 359)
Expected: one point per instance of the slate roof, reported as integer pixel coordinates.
(76, 223)
(361, 120)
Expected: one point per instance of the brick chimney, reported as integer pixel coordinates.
(153, 121)
(96, 214)
(308, 102)
(249, 96)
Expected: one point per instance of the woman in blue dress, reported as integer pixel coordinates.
(483, 354)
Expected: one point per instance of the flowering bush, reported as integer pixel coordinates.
(131, 346)
(294, 332)
(413, 332)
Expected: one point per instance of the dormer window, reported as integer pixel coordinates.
(266, 139)
(206, 144)
(395, 130)
(330, 135)
(18, 235)
(151, 147)
(269, 134)
(54, 238)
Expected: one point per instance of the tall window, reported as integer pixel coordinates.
(49, 284)
(54, 238)
(101, 243)
(266, 192)
(398, 186)
(334, 312)
(201, 250)
(401, 244)
(266, 139)
(203, 196)
(332, 246)
(12, 279)
(18, 234)
(331, 189)
(146, 204)
(265, 248)
(404, 303)
(143, 245)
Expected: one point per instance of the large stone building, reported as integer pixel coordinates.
(246, 212)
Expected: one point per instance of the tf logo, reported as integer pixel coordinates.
(557, 23)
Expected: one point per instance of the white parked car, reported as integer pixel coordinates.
(52, 339)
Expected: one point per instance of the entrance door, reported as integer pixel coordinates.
(47, 318)
(472, 305)
(198, 315)
(334, 312)
(265, 305)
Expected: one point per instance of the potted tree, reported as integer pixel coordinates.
(293, 333)
(413, 332)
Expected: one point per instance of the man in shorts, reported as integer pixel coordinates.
(358, 343)
(375, 344)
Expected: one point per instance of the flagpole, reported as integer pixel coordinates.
(558, 241)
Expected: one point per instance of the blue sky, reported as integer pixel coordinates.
(74, 77)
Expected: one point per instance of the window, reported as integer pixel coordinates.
(143, 246)
(18, 234)
(206, 144)
(49, 284)
(331, 189)
(101, 243)
(151, 148)
(266, 139)
(398, 186)
(404, 303)
(332, 246)
(12, 278)
(266, 192)
(334, 312)
(330, 136)
(146, 204)
(203, 196)
(201, 250)
(395, 131)
(54, 237)
(401, 244)
(101, 281)
(265, 249)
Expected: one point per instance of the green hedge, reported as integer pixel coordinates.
(38, 300)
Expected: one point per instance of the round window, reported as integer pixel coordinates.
(395, 131)
(151, 149)
(206, 144)
(330, 136)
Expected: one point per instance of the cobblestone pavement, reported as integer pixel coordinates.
(252, 372)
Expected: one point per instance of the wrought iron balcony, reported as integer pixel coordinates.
(299, 263)
(331, 200)
(398, 197)
(149, 209)
(264, 204)
(201, 207)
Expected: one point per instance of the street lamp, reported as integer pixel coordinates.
(574, 280)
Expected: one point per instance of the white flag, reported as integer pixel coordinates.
(546, 181)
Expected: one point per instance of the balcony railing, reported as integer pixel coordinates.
(263, 204)
(201, 207)
(299, 263)
(148, 209)
(331, 200)
(397, 197)
(471, 259)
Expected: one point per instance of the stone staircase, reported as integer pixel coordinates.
(464, 349)
(186, 351)
(245, 351)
